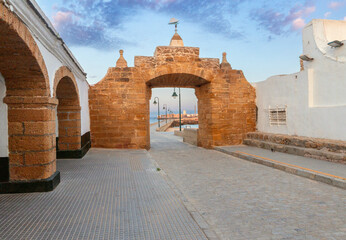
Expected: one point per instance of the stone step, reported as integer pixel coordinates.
(300, 151)
(299, 141)
(313, 172)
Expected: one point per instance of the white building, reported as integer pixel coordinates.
(312, 102)
(30, 49)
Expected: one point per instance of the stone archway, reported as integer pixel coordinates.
(31, 110)
(68, 112)
(119, 103)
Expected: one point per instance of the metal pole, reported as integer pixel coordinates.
(158, 110)
(179, 111)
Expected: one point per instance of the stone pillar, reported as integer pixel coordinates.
(205, 136)
(69, 128)
(31, 129)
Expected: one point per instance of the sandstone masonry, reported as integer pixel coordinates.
(119, 103)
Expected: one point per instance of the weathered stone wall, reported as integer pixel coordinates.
(119, 110)
(119, 104)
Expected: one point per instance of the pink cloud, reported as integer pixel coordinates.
(297, 14)
(298, 23)
(345, 18)
(280, 23)
(62, 18)
(336, 4)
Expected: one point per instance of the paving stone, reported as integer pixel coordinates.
(245, 200)
(109, 194)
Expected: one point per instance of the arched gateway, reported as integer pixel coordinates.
(119, 103)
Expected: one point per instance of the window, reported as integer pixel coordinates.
(277, 116)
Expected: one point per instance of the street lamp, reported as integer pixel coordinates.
(166, 110)
(171, 115)
(174, 95)
(158, 109)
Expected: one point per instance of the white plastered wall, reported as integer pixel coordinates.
(3, 120)
(52, 65)
(54, 56)
(316, 97)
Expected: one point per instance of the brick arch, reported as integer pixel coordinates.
(31, 111)
(21, 62)
(198, 75)
(68, 110)
(184, 80)
(64, 72)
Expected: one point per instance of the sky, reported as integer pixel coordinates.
(261, 37)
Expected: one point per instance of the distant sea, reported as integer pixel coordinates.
(154, 120)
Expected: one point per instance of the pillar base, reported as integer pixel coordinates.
(75, 154)
(45, 185)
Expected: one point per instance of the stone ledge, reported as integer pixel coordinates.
(289, 169)
(190, 135)
(336, 146)
(300, 151)
(179, 133)
(44, 185)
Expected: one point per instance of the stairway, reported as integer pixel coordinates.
(323, 149)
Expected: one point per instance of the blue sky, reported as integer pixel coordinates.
(261, 37)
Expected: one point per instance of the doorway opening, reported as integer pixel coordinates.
(172, 111)
(68, 128)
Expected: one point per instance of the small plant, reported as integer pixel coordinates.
(158, 169)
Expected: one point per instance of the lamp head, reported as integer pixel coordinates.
(174, 95)
(335, 44)
(154, 102)
(305, 58)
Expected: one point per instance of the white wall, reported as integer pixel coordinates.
(83, 87)
(316, 97)
(3, 120)
(55, 55)
(329, 65)
(52, 65)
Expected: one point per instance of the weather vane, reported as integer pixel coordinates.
(175, 22)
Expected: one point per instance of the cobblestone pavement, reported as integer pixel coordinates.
(109, 194)
(244, 200)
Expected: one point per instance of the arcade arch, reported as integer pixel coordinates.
(68, 111)
(31, 110)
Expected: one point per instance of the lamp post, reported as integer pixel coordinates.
(165, 107)
(171, 117)
(158, 109)
(174, 95)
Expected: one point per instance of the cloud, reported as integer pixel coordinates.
(336, 4)
(94, 22)
(327, 14)
(279, 23)
(298, 23)
(62, 18)
(345, 18)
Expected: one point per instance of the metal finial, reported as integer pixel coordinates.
(175, 22)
